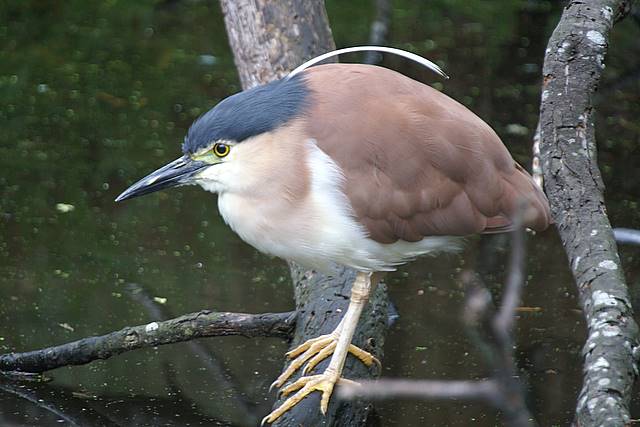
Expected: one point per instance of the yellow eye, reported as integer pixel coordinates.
(221, 150)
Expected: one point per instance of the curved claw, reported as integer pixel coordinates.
(305, 386)
(315, 351)
(365, 357)
(310, 350)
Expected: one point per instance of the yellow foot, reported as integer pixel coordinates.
(323, 382)
(315, 351)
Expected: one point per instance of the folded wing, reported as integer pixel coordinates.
(416, 162)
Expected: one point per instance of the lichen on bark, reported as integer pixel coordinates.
(573, 65)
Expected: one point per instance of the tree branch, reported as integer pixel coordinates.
(482, 390)
(270, 38)
(627, 236)
(202, 324)
(573, 65)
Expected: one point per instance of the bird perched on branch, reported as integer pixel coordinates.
(350, 164)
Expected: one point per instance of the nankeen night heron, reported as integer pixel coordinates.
(350, 164)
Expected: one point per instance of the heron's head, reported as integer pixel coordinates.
(216, 150)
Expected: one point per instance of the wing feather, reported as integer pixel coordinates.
(416, 162)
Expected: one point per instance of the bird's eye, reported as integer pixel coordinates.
(221, 150)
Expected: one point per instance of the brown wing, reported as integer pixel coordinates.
(416, 162)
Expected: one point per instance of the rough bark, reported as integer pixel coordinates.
(320, 303)
(573, 65)
(184, 328)
(268, 39)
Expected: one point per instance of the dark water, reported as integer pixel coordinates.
(96, 95)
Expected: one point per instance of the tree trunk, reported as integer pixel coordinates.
(270, 38)
(573, 65)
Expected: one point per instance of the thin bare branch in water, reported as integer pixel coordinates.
(491, 331)
(27, 395)
(627, 236)
(67, 410)
(184, 328)
(483, 390)
(139, 294)
(215, 368)
(505, 318)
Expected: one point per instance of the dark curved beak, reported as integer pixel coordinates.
(178, 172)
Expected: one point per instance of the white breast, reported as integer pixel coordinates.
(320, 229)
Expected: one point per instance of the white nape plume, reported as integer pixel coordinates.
(412, 56)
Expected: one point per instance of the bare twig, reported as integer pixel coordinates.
(139, 294)
(505, 318)
(67, 411)
(497, 344)
(483, 390)
(492, 332)
(184, 328)
(25, 394)
(627, 236)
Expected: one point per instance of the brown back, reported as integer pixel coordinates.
(416, 162)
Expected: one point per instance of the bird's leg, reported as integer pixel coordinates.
(316, 350)
(326, 381)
